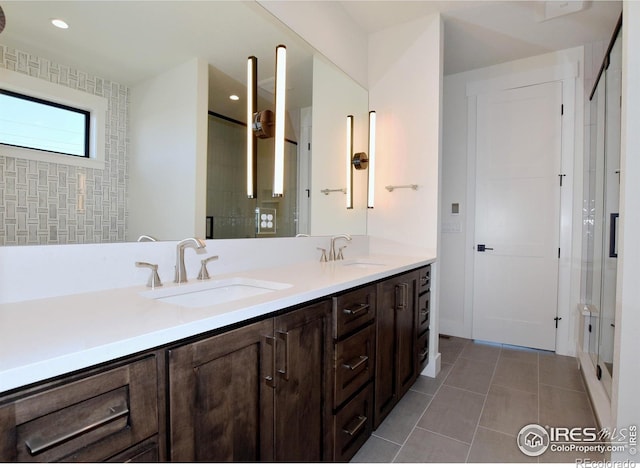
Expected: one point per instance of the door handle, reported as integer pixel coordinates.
(483, 247)
(284, 336)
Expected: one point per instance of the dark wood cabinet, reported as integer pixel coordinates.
(86, 419)
(395, 342)
(220, 405)
(354, 314)
(304, 385)
(423, 318)
(256, 393)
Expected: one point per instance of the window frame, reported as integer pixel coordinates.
(84, 113)
(53, 93)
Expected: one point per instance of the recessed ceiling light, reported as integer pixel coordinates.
(234, 97)
(58, 23)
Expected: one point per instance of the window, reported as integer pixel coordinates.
(69, 129)
(33, 123)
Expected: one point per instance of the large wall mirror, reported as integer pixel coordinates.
(175, 142)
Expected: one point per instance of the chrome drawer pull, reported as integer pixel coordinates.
(424, 353)
(361, 360)
(424, 312)
(361, 308)
(355, 425)
(37, 445)
(270, 379)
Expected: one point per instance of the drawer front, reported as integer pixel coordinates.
(424, 311)
(145, 452)
(354, 364)
(422, 348)
(90, 419)
(424, 280)
(353, 310)
(353, 425)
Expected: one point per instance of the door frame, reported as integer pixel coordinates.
(570, 198)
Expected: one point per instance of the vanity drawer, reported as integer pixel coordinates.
(424, 311)
(422, 349)
(87, 420)
(424, 279)
(354, 364)
(353, 425)
(353, 310)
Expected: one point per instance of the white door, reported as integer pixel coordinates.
(518, 144)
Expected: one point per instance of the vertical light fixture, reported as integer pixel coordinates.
(252, 104)
(281, 86)
(349, 167)
(371, 176)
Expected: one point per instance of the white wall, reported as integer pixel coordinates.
(167, 182)
(626, 373)
(405, 90)
(457, 242)
(405, 80)
(335, 96)
(328, 28)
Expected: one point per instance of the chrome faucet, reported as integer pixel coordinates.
(146, 238)
(181, 272)
(332, 251)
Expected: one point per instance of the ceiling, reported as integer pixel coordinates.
(482, 33)
(142, 38)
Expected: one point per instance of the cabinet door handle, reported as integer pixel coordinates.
(284, 336)
(358, 310)
(424, 280)
(423, 354)
(270, 381)
(38, 444)
(358, 362)
(403, 288)
(355, 425)
(424, 311)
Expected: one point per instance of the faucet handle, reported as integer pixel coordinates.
(154, 278)
(340, 256)
(323, 256)
(204, 273)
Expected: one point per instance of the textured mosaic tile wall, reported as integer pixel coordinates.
(48, 203)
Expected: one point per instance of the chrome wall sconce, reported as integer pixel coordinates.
(260, 124)
(361, 161)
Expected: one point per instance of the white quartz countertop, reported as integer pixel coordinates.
(44, 338)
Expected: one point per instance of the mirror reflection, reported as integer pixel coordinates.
(174, 163)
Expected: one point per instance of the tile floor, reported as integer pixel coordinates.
(474, 409)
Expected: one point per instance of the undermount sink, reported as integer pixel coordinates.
(208, 293)
(363, 264)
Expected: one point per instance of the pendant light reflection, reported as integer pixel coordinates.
(281, 86)
(361, 161)
(372, 160)
(252, 104)
(348, 154)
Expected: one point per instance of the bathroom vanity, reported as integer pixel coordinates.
(302, 373)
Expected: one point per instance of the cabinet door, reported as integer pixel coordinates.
(395, 342)
(385, 381)
(220, 403)
(406, 333)
(302, 422)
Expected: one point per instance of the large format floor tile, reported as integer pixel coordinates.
(508, 410)
(472, 412)
(428, 447)
(454, 413)
(474, 376)
(400, 422)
